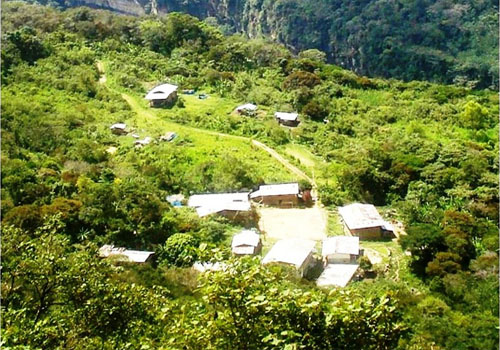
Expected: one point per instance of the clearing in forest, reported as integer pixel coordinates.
(309, 223)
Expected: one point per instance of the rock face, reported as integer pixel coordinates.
(373, 37)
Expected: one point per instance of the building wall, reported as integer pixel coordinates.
(169, 101)
(368, 233)
(285, 201)
(288, 122)
(256, 250)
(340, 258)
(306, 265)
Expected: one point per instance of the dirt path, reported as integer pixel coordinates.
(283, 161)
(140, 110)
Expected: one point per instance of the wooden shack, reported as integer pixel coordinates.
(163, 95)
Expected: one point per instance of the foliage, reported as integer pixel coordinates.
(179, 250)
(427, 152)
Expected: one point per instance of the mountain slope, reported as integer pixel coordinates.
(442, 41)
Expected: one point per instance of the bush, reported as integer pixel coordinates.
(179, 250)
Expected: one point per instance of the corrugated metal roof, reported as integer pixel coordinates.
(119, 126)
(243, 250)
(341, 245)
(358, 216)
(137, 256)
(247, 107)
(286, 116)
(161, 92)
(276, 190)
(246, 237)
(292, 251)
(207, 204)
(336, 275)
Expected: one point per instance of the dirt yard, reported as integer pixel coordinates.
(307, 223)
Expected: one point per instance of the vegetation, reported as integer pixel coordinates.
(428, 153)
(440, 41)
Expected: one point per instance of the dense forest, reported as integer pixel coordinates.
(441, 41)
(425, 152)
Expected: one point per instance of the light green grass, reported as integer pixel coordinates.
(302, 154)
(334, 227)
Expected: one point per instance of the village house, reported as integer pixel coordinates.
(169, 136)
(293, 252)
(364, 221)
(162, 95)
(288, 119)
(246, 242)
(281, 195)
(125, 255)
(340, 250)
(118, 128)
(234, 206)
(246, 109)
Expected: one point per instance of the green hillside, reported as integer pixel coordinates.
(425, 154)
(440, 40)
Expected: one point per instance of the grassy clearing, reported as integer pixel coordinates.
(335, 227)
(302, 154)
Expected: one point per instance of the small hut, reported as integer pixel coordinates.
(118, 128)
(162, 95)
(287, 119)
(364, 221)
(294, 252)
(280, 195)
(125, 255)
(246, 242)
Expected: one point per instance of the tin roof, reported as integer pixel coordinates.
(293, 251)
(286, 116)
(246, 237)
(207, 204)
(359, 216)
(341, 245)
(120, 126)
(276, 190)
(247, 107)
(337, 275)
(137, 256)
(161, 92)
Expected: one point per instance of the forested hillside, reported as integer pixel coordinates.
(441, 41)
(426, 153)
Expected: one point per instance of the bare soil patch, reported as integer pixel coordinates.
(309, 223)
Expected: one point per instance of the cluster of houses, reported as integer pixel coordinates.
(165, 95)
(238, 205)
(339, 254)
(121, 129)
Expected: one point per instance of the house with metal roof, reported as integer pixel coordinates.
(247, 108)
(125, 255)
(231, 205)
(162, 95)
(364, 221)
(281, 195)
(246, 242)
(293, 252)
(288, 119)
(340, 250)
(118, 128)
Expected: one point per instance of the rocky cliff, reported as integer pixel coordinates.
(437, 40)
